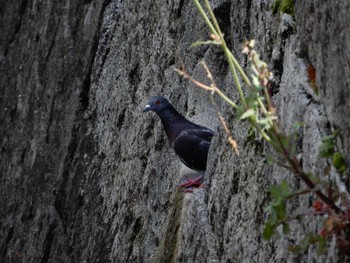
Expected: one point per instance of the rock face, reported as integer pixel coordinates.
(86, 177)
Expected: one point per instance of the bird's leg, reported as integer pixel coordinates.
(195, 183)
(191, 188)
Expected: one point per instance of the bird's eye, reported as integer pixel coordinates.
(157, 102)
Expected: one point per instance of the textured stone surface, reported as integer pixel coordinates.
(86, 177)
(324, 29)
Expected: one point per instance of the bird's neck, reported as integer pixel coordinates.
(172, 121)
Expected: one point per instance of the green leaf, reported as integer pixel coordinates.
(328, 138)
(281, 211)
(280, 192)
(268, 231)
(275, 191)
(264, 121)
(294, 249)
(326, 149)
(270, 159)
(285, 228)
(339, 162)
(287, 6)
(285, 188)
(297, 125)
(256, 82)
(277, 210)
(247, 114)
(322, 245)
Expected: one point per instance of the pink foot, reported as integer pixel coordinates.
(191, 184)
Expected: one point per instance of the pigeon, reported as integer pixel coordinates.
(190, 141)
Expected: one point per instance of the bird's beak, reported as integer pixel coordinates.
(147, 108)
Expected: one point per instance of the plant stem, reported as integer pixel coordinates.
(241, 71)
(272, 136)
(201, 10)
(225, 98)
(300, 172)
(228, 54)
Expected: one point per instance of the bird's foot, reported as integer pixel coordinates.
(190, 184)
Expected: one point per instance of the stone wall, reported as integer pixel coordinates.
(87, 177)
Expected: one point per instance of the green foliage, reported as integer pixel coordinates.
(280, 192)
(276, 6)
(283, 6)
(287, 6)
(277, 210)
(247, 113)
(326, 150)
(269, 159)
(339, 162)
(297, 125)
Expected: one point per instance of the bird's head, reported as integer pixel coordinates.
(156, 104)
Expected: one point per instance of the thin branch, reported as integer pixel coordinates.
(184, 74)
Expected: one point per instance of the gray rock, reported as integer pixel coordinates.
(86, 177)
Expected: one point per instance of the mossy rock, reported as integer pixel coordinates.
(283, 6)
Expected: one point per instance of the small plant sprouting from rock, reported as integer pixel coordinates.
(257, 108)
(335, 224)
(327, 151)
(283, 6)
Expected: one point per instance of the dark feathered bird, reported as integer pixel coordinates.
(190, 141)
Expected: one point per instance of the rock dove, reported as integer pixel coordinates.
(190, 141)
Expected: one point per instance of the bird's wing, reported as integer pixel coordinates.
(192, 147)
